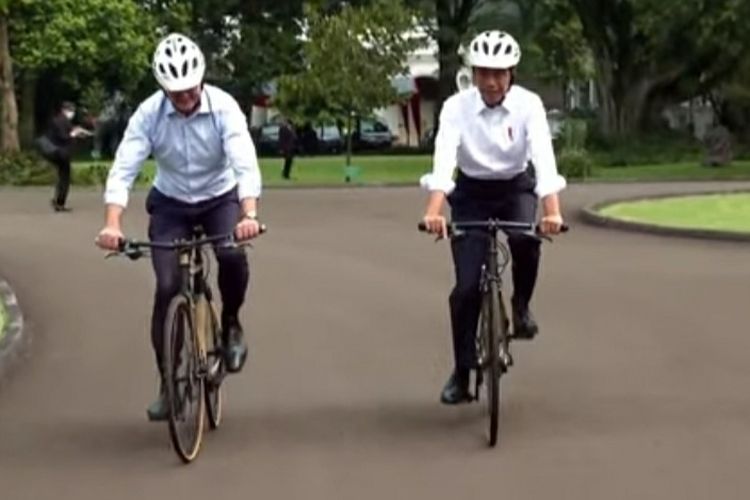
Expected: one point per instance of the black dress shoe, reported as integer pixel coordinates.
(59, 208)
(456, 390)
(524, 325)
(235, 350)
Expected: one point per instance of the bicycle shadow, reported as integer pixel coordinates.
(132, 443)
(419, 423)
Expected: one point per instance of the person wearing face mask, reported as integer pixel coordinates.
(492, 132)
(59, 138)
(207, 174)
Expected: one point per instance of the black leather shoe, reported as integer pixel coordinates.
(524, 325)
(59, 208)
(157, 411)
(456, 390)
(235, 350)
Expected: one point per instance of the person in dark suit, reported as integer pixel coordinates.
(61, 133)
(287, 146)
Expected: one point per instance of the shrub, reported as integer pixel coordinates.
(575, 163)
(25, 169)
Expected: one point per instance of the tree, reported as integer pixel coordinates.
(350, 58)
(552, 41)
(77, 41)
(651, 52)
(268, 45)
(9, 116)
(247, 44)
(453, 18)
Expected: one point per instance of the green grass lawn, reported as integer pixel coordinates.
(407, 169)
(673, 171)
(728, 212)
(324, 170)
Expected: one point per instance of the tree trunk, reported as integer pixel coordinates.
(452, 23)
(349, 139)
(449, 66)
(622, 98)
(632, 108)
(9, 115)
(27, 118)
(605, 92)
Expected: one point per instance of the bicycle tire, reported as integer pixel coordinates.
(215, 369)
(492, 365)
(179, 332)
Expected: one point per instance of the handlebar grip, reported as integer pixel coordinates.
(422, 226)
(122, 245)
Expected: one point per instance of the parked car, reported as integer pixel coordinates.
(267, 140)
(329, 139)
(372, 134)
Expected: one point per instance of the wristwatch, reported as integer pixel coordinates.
(252, 215)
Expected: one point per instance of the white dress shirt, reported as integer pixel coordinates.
(198, 157)
(494, 143)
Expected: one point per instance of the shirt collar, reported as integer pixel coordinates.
(203, 109)
(507, 105)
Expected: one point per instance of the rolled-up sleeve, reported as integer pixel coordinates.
(445, 158)
(240, 151)
(542, 154)
(133, 150)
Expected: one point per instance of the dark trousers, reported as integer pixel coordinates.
(173, 219)
(63, 180)
(287, 170)
(512, 200)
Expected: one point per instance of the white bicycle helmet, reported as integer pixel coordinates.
(178, 63)
(494, 49)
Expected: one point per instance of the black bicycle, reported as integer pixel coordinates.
(494, 336)
(193, 353)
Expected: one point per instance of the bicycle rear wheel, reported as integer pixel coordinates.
(183, 381)
(215, 367)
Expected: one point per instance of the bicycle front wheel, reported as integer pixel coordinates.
(493, 370)
(184, 383)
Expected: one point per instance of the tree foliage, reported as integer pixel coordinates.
(349, 60)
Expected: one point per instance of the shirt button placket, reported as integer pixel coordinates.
(186, 153)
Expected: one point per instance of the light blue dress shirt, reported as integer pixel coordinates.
(198, 157)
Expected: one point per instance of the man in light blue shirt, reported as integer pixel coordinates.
(207, 174)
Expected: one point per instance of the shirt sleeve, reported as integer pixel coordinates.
(542, 154)
(133, 150)
(240, 151)
(445, 158)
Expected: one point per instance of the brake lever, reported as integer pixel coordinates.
(452, 233)
(243, 244)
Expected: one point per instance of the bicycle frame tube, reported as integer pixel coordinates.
(185, 274)
(493, 273)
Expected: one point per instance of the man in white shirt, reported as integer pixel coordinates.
(207, 174)
(491, 132)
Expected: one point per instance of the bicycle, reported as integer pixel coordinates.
(494, 358)
(194, 380)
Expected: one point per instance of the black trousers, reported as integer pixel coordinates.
(473, 199)
(287, 170)
(62, 165)
(172, 219)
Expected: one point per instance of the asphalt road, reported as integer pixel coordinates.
(637, 386)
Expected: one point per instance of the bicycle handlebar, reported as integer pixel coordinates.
(494, 225)
(133, 248)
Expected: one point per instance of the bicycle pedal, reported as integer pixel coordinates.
(506, 360)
